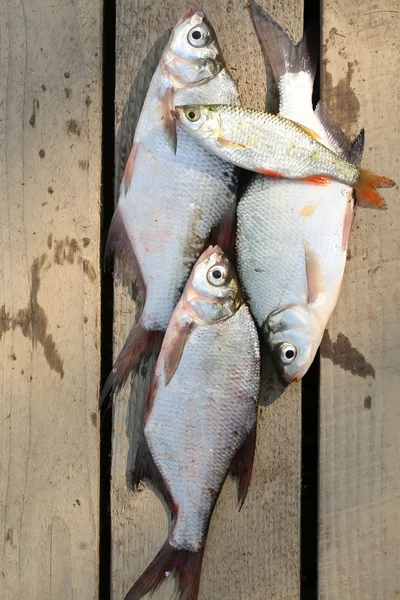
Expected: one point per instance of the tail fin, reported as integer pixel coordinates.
(283, 54)
(139, 340)
(336, 140)
(184, 564)
(366, 187)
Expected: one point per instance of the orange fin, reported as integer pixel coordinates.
(314, 274)
(242, 465)
(231, 145)
(368, 182)
(269, 173)
(311, 132)
(308, 210)
(347, 223)
(318, 179)
(165, 107)
(130, 165)
(174, 346)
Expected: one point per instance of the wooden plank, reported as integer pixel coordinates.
(256, 552)
(359, 499)
(50, 129)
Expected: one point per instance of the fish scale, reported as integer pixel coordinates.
(281, 222)
(171, 211)
(201, 416)
(206, 407)
(173, 193)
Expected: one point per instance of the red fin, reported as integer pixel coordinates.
(269, 173)
(318, 179)
(166, 106)
(310, 132)
(120, 245)
(222, 234)
(347, 223)
(130, 165)
(242, 465)
(230, 144)
(147, 470)
(368, 182)
(185, 565)
(314, 273)
(178, 334)
(139, 340)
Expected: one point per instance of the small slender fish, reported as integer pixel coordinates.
(201, 416)
(173, 192)
(274, 146)
(292, 236)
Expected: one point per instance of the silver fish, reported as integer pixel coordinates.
(275, 146)
(201, 416)
(292, 236)
(173, 192)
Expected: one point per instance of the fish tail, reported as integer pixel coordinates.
(139, 340)
(283, 54)
(184, 564)
(366, 187)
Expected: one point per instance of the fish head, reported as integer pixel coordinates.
(204, 121)
(293, 336)
(213, 292)
(192, 55)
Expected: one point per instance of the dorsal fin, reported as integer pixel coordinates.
(283, 54)
(357, 148)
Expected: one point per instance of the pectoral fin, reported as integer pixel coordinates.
(231, 145)
(315, 280)
(311, 132)
(166, 106)
(242, 465)
(174, 347)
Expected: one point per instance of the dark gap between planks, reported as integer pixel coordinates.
(310, 383)
(310, 391)
(107, 292)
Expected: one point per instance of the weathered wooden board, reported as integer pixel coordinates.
(50, 128)
(253, 554)
(359, 515)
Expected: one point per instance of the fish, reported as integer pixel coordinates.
(276, 146)
(201, 416)
(292, 236)
(173, 192)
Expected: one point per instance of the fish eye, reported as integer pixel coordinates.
(217, 275)
(198, 36)
(192, 114)
(287, 353)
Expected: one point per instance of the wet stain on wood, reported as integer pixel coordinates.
(68, 250)
(367, 402)
(35, 107)
(341, 99)
(343, 354)
(73, 127)
(5, 321)
(33, 320)
(84, 165)
(93, 418)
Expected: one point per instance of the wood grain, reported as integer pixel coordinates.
(254, 554)
(359, 516)
(50, 130)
